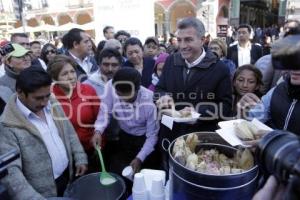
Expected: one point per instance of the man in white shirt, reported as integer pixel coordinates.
(108, 32)
(35, 124)
(244, 52)
(78, 42)
(36, 49)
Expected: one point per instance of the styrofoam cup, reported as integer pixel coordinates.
(128, 172)
(142, 196)
(152, 197)
(139, 185)
(139, 190)
(157, 188)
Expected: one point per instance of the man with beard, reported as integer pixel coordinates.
(109, 61)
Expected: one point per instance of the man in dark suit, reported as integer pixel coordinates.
(244, 52)
(195, 79)
(78, 42)
(192, 79)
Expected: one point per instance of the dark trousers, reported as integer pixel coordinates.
(93, 161)
(62, 182)
(127, 149)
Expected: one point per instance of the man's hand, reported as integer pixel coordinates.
(80, 170)
(136, 165)
(165, 102)
(270, 191)
(96, 139)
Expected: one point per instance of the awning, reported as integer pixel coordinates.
(88, 26)
(45, 27)
(68, 26)
(28, 29)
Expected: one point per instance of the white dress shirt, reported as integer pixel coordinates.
(244, 54)
(85, 64)
(43, 64)
(50, 136)
(197, 61)
(2, 70)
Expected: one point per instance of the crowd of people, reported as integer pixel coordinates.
(58, 104)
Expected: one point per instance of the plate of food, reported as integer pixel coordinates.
(236, 132)
(181, 116)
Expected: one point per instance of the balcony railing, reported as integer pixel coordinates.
(79, 3)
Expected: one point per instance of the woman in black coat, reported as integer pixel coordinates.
(134, 52)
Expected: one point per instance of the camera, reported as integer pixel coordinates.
(278, 153)
(286, 53)
(6, 159)
(5, 47)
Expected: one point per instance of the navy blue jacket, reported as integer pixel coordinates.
(148, 65)
(207, 87)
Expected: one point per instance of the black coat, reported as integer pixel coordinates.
(36, 62)
(148, 65)
(255, 53)
(285, 108)
(208, 86)
(81, 74)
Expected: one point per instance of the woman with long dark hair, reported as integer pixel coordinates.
(246, 79)
(49, 51)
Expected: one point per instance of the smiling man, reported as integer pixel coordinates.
(195, 79)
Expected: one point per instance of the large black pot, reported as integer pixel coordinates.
(186, 184)
(89, 187)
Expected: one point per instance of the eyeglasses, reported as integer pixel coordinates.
(53, 51)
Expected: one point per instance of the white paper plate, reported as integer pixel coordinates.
(227, 131)
(193, 118)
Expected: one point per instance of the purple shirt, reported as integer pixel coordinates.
(137, 118)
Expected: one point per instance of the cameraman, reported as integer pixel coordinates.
(280, 107)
